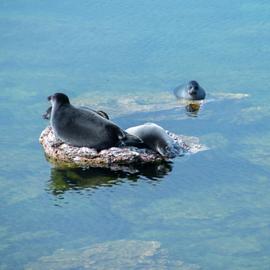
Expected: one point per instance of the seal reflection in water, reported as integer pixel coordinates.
(192, 108)
(64, 179)
(80, 127)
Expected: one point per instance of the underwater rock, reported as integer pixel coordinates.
(114, 158)
(114, 255)
(128, 104)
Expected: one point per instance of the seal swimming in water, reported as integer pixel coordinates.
(47, 114)
(156, 138)
(190, 91)
(80, 127)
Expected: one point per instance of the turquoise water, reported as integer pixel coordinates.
(210, 210)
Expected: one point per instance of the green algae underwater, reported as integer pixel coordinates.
(209, 210)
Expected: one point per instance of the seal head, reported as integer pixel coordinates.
(190, 91)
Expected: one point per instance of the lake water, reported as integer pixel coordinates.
(210, 210)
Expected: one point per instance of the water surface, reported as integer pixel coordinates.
(210, 210)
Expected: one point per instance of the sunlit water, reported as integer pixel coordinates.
(210, 210)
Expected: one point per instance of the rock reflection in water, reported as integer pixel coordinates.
(64, 179)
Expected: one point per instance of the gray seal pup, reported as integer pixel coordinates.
(156, 138)
(47, 114)
(80, 127)
(190, 91)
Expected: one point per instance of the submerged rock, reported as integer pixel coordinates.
(114, 158)
(114, 255)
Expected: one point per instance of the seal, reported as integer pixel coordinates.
(156, 138)
(47, 114)
(190, 91)
(80, 127)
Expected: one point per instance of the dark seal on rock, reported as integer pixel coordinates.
(85, 128)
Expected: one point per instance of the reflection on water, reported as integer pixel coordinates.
(64, 179)
(193, 108)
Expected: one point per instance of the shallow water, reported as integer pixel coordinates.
(210, 210)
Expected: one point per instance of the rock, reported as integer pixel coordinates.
(114, 255)
(63, 154)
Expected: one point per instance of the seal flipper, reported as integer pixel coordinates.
(103, 114)
(161, 150)
(47, 114)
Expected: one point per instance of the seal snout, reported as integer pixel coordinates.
(192, 91)
(193, 88)
(49, 98)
